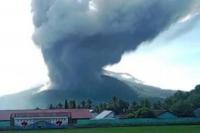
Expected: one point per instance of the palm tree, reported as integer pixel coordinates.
(72, 104)
(89, 104)
(83, 104)
(60, 106)
(66, 104)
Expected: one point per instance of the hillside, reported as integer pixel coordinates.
(112, 84)
(140, 88)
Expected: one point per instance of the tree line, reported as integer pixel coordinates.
(181, 104)
(72, 104)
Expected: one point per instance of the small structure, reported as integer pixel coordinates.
(107, 114)
(197, 112)
(93, 113)
(163, 114)
(40, 120)
(55, 118)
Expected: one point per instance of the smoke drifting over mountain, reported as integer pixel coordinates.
(79, 37)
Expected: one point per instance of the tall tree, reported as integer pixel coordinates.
(72, 104)
(60, 106)
(51, 106)
(144, 112)
(145, 103)
(157, 105)
(83, 104)
(89, 104)
(115, 104)
(66, 104)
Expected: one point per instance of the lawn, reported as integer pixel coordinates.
(152, 129)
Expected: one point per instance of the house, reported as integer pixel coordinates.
(163, 114)
(93, 113)
(197, 112)
(107, 114)
(29, 119)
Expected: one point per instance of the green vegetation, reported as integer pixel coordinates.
(184, 103)
(152, 129)
(181, 103)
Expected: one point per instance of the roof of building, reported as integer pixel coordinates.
(104, 114)
(49, 114)
(197, 112)
(159, 112)
(164, 114)
(74, 113)
(198, 109)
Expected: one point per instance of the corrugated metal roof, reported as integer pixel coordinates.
(75, 113)
(104, 114)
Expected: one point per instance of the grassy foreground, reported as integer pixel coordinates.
(152, 129)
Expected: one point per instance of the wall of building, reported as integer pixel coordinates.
(4, 125)
(110, 116)
(40, 122)
(167, 115)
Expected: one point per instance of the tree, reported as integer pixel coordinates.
(102, 106)
(60, 106)
(79, 106)
(184, 103)
(157, 106)
(123, 106)
(51, 106)
(145, 103)
(66, 104)
(72, 104)
(144, 112)
(83, 104)
(134, 105)
(37, 108)
(89, 104)
(182, 109)
(97, 109)
(115, 104)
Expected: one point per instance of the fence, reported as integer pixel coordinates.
(137, 122)
(4, 125)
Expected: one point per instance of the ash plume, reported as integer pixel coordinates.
(79, 37)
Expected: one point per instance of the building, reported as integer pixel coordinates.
(107, 114)
(30, 119)
(163, 114)
(197, 112)
(93, 113)
(40, 120)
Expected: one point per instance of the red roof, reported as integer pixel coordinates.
(54, 114)
(75, 113)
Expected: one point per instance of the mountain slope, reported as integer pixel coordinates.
(112, 84)
(143, 91)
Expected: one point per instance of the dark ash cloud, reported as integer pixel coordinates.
(78, 38)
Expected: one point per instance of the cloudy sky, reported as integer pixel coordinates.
(170, 61)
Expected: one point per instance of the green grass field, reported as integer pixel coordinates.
(152, 129)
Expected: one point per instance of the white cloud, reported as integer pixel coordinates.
(167, 64)
(21, 63)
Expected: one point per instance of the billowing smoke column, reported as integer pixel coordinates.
(79, 37)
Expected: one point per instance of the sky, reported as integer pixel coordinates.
(170, 61)
(21, 62)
